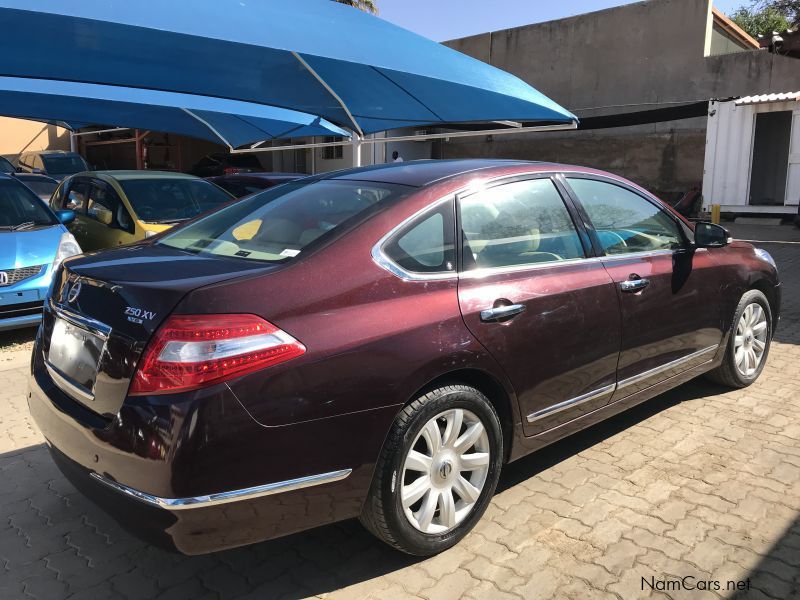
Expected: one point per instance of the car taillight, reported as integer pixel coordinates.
(192, 351)
(230, 170)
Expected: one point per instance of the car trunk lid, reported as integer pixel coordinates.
(104, 308)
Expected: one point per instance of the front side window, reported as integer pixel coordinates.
(625, 222)
(105, 206)
(520, 223)
(21, 209)
(280, 223)
(427, 244)
(171, 200)
(77, 196)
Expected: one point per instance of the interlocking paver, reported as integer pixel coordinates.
(702, 481)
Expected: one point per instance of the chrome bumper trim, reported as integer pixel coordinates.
(225, 497)
(67, 386)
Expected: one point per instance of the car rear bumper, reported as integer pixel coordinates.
(208, 477)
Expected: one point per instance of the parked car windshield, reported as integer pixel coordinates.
(21, 209)
(6, 166)
(170, 200)
(278, 224)
(56, 164)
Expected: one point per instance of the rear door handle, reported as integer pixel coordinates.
(634, 285)
(501, 312)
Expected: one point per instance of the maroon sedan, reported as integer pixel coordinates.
(377, 343)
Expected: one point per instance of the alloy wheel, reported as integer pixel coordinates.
(445, 471)
(750, 341)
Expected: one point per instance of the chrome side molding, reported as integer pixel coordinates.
(225, 497)
(610, 389)
(562, 406)
(666, 367)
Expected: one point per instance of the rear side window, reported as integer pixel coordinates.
(426, 245)
(280, 223)
(519, 223)
(625, 222)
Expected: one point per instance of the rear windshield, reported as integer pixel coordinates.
(278, 224)
(64, 165)
(21, 209)
(171, 200)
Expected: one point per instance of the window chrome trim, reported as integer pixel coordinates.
(220, 498)
(382, 260)
(562, 406)
(486, 271)
(666, 367)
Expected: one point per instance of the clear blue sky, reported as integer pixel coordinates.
(448, 19)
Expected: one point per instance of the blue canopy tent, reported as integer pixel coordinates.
(230, 122)
(313, 56)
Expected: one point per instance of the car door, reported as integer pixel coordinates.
(108, 223)
(531, 295)
(668, 292)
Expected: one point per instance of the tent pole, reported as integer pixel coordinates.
(356, 143)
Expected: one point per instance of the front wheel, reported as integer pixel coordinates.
(748, 346)
(437, 471)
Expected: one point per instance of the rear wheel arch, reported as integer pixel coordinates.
(489, 386)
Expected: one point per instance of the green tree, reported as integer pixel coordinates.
(788, 8)
(760, 22)
(366, 5)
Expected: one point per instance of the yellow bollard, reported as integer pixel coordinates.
(716, 211)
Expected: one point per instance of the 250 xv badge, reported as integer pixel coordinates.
(139, 315)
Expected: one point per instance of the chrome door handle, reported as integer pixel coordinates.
(634, 285)
(501, 312)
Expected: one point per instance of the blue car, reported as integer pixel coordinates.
(33, 242)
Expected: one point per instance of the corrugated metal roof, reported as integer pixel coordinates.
(785, 97)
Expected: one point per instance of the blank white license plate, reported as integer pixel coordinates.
(75, 352)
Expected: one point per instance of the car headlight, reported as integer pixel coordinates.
(766, 257)
(67, 246)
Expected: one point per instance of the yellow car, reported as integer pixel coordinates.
(113, 208)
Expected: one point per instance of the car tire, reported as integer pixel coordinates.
(444, 509)
(751, 327)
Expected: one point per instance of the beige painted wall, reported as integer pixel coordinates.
(18, 135)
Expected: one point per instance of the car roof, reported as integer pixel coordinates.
(32, 177)
(420, 173)
(129, 175)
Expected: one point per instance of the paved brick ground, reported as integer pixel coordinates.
(701, 482)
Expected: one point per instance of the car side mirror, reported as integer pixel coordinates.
(65, 216)
(709, 235)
